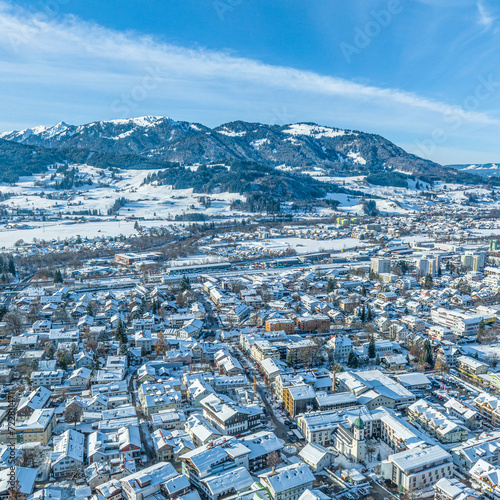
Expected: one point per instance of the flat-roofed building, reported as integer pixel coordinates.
(418, 468)
(298, 398)
(471, 366)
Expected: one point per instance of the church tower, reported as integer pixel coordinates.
(359, 443)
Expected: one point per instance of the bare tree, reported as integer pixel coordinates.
(160, 345)
(311, 353)
(14, 323)
(441, 365)
(273, 459)
(77, 471)
(32, 457)
(15, 492)
(73, 413)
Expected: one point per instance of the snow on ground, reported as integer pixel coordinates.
(144, 200)
(314, 130)
(384, 206)
(303, 245)
(345, 200)
(61, 231)
(418, 238)
(155, 204)
(357, 158)
(231, 133)
(486, 232)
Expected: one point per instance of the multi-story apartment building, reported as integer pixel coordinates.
(471, 366)
(313, 323)
(148, 481)
(280, 324)
(488, 406)
(436, 423)
(298, 398)
(47, 378)
(288, 483)
(460, 323)
(380, 266)
(108, 447)
(215, 457)
(68, 453)
(38, 428)
(341, 347)
(228, 417)
(417, 468)
(467, 415)
(263, 349)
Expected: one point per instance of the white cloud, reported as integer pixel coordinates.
(64, 69)
(485, 18)
(93, 57)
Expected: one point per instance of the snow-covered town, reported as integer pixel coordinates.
(365, 365)
(249, 250)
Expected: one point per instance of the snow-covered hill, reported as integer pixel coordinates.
(483, 169)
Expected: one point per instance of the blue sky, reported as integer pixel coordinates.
(423, 73)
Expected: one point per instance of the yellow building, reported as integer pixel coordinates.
(37, 429)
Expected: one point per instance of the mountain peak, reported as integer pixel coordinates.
(140, 121)
(300, 146)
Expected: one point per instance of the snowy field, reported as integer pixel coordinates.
(61, 231)
(143, 200)
(303, 245)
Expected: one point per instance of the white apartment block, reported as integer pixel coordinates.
(458, 322)
(418, 468)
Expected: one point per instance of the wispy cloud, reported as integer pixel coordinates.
(92, 56)
(485, 17)
(72, 65)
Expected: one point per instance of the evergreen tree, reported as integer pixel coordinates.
(58, 277)
(363, 290)
(480, 328)
(120, 332)
(371, 348)
(427, 353)
(363, 314)
(12, 267)
(185, 284)
(330, 285)
(90, 309)
(429, 282)
(352, 360)
(369, 314)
